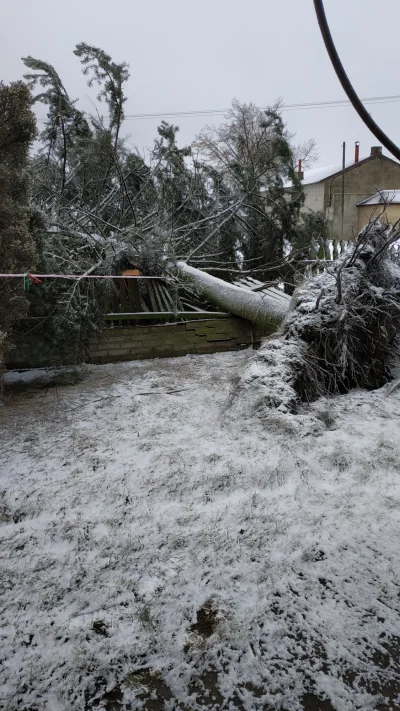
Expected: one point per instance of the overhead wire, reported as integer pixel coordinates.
(283, 107)
(347, 86)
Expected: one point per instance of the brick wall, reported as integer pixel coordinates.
(167, 340)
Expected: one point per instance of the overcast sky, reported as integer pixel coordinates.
(199, 54)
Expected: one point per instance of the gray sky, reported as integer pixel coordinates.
(199, 54)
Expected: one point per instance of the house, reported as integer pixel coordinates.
(385, 204)
(362, 179)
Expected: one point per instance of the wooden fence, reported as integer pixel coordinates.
(135, 302)
(154, 300)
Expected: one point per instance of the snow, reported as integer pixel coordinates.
(144, 491)
(33, 375)
(315, 175)
(262, 307)
(391, 197)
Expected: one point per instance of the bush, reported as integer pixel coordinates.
(17, 247)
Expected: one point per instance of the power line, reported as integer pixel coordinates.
(347, 85)
(284, 107)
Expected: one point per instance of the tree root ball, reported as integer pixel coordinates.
(341, 330)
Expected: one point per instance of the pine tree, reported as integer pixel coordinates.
(172, 176)
(65, 123)
(111, 77)
(252, 153)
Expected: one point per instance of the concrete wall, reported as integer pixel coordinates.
(168, 340)
(366, 212)
(360, 182)
(139, 342)
(314, 197)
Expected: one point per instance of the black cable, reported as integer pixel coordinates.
(346, 84)
(284, 107)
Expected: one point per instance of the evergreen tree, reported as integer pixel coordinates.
(310, 242)
(65, 123)
(17, 247)
(220, 203)
(172, 175)
(111, 77)
(252, 153)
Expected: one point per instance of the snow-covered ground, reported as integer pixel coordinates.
(152, 537)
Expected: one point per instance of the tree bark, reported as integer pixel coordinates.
(264, 310)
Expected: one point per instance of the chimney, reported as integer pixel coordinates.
(376, 151)
(357, 152)
(300, 173)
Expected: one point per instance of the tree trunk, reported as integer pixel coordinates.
(266, 311)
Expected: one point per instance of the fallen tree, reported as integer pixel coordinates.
(264, 310)
(340, 332)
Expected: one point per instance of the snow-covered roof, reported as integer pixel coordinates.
(389, 197)
(315, 175)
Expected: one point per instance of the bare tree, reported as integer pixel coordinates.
(307, 152)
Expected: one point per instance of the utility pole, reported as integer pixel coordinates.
(343, 174)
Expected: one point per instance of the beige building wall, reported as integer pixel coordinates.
(367, 212)
(360, 183)
(314, 197)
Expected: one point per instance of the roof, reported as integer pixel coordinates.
(317, 175)
(388, 197)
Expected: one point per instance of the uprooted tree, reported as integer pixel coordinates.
(341, 330)
(215, 209)
(218, 205)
